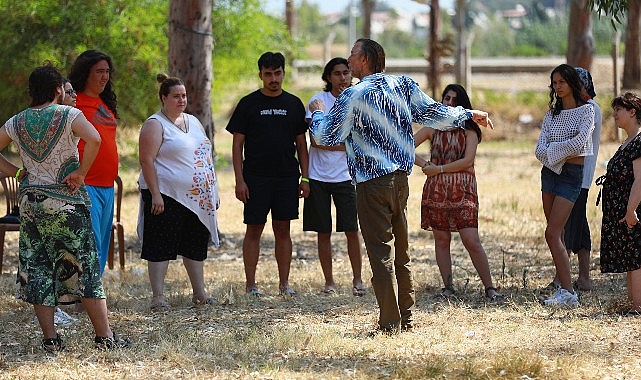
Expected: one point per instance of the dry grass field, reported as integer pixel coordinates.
(318, 336)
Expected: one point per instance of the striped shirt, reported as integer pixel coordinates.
(564, 136)
(374, 118)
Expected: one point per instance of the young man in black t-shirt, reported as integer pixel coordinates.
(269, 130)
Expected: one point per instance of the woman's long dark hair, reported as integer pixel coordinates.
(80, 72)
(570, 75)
(463, 100)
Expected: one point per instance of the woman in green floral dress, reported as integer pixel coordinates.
(57, 252)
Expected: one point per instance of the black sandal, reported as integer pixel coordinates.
(493, 298)
(446, 293)
(53, 345)
(106, 343)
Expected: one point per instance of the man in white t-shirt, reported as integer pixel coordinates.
(329, 179)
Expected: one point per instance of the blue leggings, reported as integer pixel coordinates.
(102, 216)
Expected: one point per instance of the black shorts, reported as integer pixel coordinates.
(278, 194)
(317, 213)
(577, 230)
(177, 231)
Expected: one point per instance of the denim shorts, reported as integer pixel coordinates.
(566, 185)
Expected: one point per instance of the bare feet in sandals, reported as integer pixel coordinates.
(202, 299)
(159, 303)
(358, 289)
(329, 289)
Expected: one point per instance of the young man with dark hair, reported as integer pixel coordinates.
(269, 133)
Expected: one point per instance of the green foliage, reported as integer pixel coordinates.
(242, 32)
(494, 39)
(614, 9)
(402, 44)
(310, 19)
(132, 32)
(537, 34)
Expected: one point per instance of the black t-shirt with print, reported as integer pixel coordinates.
(270, 126)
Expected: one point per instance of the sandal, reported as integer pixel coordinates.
(206, 301)
(53, 345)
(287, 292)
(358, 291)
(493, 296)
(106, 343)
(329, 291)
(254, 292)
(446, 292)
(159, 304)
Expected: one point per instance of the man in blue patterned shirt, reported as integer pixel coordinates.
(374, 118)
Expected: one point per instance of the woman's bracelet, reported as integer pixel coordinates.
(17, 176)
(303, 179)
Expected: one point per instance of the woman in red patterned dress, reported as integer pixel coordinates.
(450, 199)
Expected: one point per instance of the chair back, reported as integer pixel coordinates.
(118, 194)
(10, 191)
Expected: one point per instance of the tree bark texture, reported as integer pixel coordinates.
(368, 8)
(190, 52)
(290, 17)
(632, 59)
(580, 39)
(433, 74)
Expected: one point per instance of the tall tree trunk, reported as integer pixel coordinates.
(580, 40)
(433, 75)
(632, 59)
(190, 50)
(368, 8)
(290, 17)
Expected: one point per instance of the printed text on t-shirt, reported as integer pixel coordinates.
(274, 111)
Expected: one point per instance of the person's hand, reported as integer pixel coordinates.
(481, 118)
(242, 191)
(303, 189)
(74, 180)
(430, 169)
(630, 218)
(157, 204)
(316, 105)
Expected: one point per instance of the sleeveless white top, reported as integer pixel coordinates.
(185, 171)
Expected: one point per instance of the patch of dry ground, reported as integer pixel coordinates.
(319, 336)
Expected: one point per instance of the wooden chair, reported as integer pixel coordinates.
(11, 221)
(117, 230)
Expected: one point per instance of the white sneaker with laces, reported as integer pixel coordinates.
(60, 318)
(562, 298)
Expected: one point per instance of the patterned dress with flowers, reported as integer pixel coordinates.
(620, 246)
(185, 171)
(450, 200)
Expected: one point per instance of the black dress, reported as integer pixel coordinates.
(620, 246)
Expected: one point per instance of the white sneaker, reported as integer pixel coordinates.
(562, 298)
(60, 318)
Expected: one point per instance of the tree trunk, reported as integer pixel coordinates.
(580, 40)
(433, 75)
(632, 60)
(290, 17)
(368, 8)
(190, 51)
